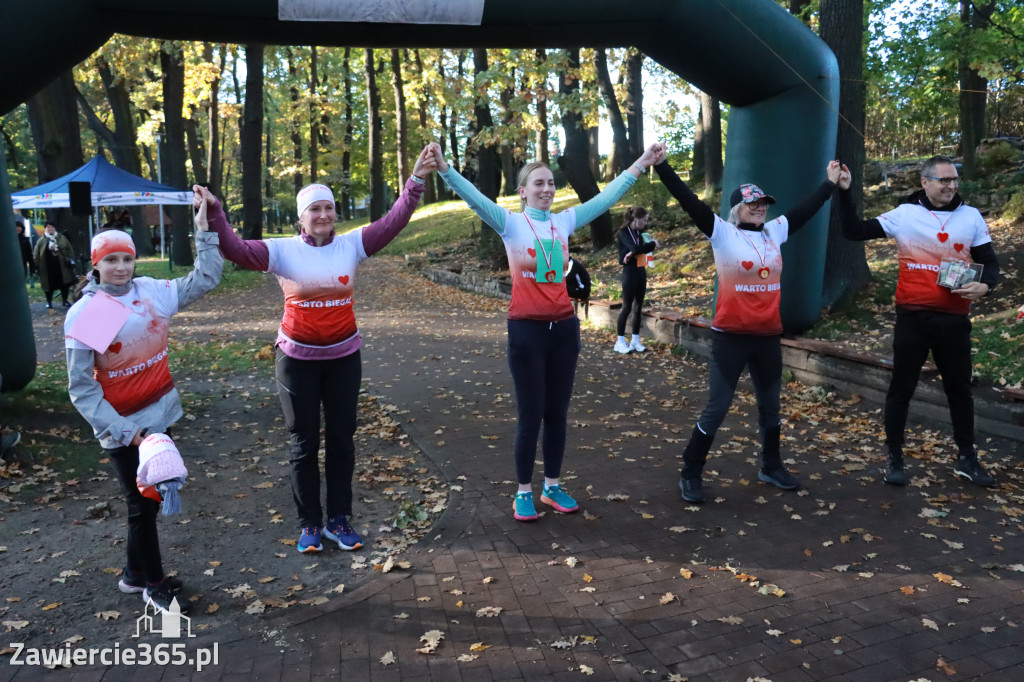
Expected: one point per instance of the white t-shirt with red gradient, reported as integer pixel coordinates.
(318, 283)
(133, 371)
(924, 238)
(749, 268)
(542, 300)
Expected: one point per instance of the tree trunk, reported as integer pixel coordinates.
(123, 146)
(173, 151)
(842, 28)
(453, 124)
(574, 161)
(268, 181)
(632, 68)
(402, 127)
(429, 190)
(973, 91)
(314, 134)
(620, 157)
(711, 119)
(491, 248)
(196, 151)
(251, 144)
(296, 132)
(346, 155)
(376, 157)
(213, 141)
(541, 151)
(697, 172)
(53, 117)
(594, 152)
(509, 184)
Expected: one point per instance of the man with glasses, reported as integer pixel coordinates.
(946, 261)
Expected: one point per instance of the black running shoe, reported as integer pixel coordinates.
(692, 490)
(780, 478)
(161, 597)
(971, 469)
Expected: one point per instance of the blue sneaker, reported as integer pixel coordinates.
(339, 530)
(523, 509)
(309, 541)
(559, 499)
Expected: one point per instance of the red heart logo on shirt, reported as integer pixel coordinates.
(136, 302)
(958, 247)
(532, 252)
(343, 279)
(747, 264)
(115, 348)
(943, 237)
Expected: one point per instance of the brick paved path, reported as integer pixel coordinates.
(879, 583)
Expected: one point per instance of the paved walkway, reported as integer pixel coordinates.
(847, 580)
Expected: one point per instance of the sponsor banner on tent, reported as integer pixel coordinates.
(62, 199)
(460, 12)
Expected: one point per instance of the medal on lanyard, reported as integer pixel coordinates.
(764, 270)
(548, 265)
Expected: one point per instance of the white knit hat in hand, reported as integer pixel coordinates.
(159, 460)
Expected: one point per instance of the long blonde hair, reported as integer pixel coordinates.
(524, 175)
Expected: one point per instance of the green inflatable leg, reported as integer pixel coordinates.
(17, 340)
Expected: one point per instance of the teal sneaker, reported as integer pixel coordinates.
(523, 509)
(559, 499)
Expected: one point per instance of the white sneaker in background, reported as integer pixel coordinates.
(637, 346)
(622, 347)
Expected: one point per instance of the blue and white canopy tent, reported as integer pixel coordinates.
(110, 185)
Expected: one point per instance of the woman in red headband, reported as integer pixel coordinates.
(122, 385)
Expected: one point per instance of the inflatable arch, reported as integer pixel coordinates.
(780, 79)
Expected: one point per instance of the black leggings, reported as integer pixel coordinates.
(634, 288)
(542, 358)
(303, 385)
(730, 354)
(948, 336)
(143, 542)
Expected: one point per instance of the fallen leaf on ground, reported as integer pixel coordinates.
(108, 615)
(388, 658)
(488, 611)
(667, 598)
(928, 623)
(431, 640)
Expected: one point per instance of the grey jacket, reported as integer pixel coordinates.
(112, 429)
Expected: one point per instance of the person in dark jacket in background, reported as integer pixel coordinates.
(935, 232)
(27, 262)
(633, 250)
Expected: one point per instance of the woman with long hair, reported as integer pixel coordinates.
(543, 330)
(633, 250)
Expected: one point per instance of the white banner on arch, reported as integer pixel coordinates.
(461, 12)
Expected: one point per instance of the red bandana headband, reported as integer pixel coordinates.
(111, 241)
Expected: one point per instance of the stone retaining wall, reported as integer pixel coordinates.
(813, 362)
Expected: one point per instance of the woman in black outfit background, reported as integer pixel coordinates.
(633, 252)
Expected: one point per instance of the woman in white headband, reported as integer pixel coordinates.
(123, 386)
(318, 360)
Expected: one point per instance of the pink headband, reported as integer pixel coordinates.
(111, 241)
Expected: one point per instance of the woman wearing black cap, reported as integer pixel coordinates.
(747, 326)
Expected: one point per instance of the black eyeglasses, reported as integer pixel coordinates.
(945, 182)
